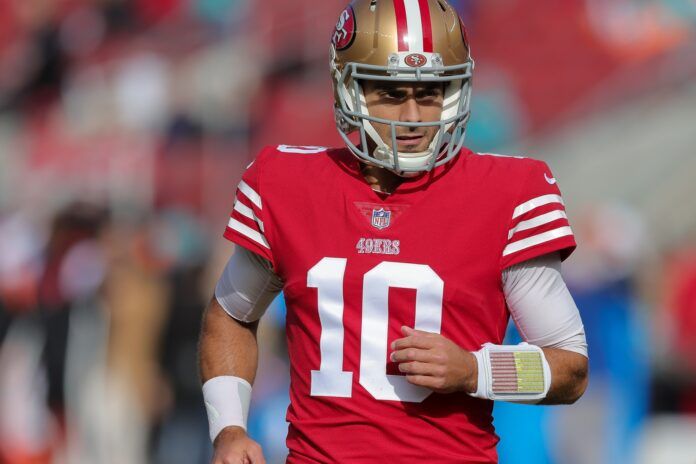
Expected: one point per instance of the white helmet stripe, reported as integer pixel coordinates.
(415, 25)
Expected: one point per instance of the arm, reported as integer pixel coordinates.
(569, 376)
(228, 352)
(546, 316)
(228, 348)
(433, 361)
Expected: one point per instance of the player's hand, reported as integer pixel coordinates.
(233, 446)
(433, 361)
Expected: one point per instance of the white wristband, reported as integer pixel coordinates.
(515, 373)
(227, 401)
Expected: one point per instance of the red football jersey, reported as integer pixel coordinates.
(358, 265)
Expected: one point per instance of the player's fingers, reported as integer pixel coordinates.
(255, 454)
(412, 354)
(421, 368)
(226, 458)
(230, 459)
(413, 341)
(238, 460)
(408, 331)
(427, 381)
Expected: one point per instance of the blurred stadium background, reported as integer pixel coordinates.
(126, 124)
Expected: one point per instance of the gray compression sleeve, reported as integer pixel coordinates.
(247, 286)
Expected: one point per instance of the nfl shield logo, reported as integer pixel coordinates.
(381, 218)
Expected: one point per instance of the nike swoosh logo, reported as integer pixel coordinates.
(550, 180)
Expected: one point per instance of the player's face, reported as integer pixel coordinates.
(405, 102)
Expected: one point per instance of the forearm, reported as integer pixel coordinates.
(227, 347)
(569, 376)
(432, 361)
(228, 356)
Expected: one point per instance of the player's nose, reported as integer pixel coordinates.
(410, 112)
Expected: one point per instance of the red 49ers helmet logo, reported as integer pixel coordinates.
(345, 30)
(416, 60)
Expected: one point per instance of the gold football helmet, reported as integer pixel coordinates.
(401, 41)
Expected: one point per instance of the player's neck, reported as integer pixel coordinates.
(380, 179)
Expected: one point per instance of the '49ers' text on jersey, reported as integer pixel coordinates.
(358, 265)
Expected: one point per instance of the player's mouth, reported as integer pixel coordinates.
(410, 140)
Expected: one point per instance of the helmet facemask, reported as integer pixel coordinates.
(353, 115)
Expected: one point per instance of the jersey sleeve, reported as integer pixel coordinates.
(246, 226)
(538, 224)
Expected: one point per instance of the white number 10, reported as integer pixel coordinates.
(327, 277)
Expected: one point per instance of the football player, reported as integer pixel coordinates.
(402, 257)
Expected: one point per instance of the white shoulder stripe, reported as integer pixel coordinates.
(496, 155)
(245, 211)
(537, 202)
(301, 150)
(529, 242)
(250, 194)
(248, 232)
(537, 221)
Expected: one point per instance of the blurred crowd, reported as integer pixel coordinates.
(125, 126)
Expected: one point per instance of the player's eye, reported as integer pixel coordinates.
(393, 94)
(428, 93)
